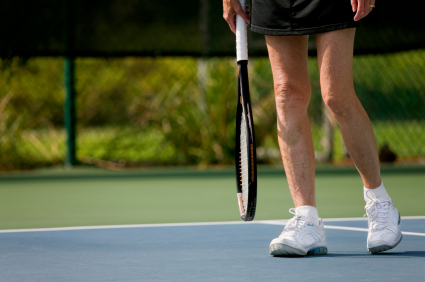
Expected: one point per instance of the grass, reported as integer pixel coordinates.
(106, 198)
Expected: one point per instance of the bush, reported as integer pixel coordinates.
(182, 110)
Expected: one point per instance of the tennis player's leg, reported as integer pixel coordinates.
(335, 58)
(288, 58)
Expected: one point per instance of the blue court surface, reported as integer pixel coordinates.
(222, 251)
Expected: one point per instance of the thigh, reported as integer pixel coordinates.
(288, 59)
(335, 59)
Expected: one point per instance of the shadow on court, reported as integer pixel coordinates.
(404, 254)
(364, 255)
(389, 254)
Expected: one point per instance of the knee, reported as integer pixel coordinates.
(340, 98)
(337, 103)
(334, 104)
(291, 96)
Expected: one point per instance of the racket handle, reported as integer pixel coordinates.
(241, 40)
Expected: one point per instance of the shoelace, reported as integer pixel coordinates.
(294, 222)
(377, 211)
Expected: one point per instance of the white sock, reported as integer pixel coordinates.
(308, 212)
(378, 193)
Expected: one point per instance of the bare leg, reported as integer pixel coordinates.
(288, 58)
(335, 58)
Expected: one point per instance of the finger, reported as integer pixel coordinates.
(360, 10)
(241, 12)
(368, 8)
(365, 14)
(372, 3)
(232, 24)
(230, 19)
(354, 5)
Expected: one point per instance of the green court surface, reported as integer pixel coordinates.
(89, 196)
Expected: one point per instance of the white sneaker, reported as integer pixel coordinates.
(384, 233)
(300, 237)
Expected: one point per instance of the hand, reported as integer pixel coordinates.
(231, 8)
(362, 7)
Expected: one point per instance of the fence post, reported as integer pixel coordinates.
(205, 40)
(69, 78)
(70, 119)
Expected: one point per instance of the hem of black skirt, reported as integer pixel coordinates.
(303, 31)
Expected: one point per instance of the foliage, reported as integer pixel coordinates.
(182, 110)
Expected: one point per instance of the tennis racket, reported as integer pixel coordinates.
(246, 161)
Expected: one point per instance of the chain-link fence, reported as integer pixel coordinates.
(144, 111)
(135, 107)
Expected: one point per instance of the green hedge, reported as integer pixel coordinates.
(182, 110)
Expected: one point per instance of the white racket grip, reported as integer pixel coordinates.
(241, 40)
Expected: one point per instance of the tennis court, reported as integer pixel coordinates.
(183, 224)
(223, 251)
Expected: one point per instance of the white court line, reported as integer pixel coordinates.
(123, 226)
(271, 222)
(365, 230)
(365, 218)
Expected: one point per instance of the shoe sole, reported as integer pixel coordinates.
(285, 250)
(318, 251)
(384, 248)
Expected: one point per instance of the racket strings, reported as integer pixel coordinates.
(240, 167)
(244, 162)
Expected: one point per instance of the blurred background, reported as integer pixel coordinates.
(142, 84)
(138, 83)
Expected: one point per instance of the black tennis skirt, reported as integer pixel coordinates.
(301, 17)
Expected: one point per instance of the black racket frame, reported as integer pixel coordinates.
(244, 106)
